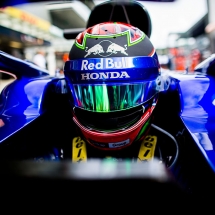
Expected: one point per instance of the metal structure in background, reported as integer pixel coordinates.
(25, 28)
(116, 11)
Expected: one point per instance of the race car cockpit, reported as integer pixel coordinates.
(115, 124)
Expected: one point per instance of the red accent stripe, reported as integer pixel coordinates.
(138, 124)
(152, 52)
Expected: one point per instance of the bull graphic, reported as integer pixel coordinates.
(95, 50)
(114, 48)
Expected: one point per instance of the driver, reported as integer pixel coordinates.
(114, 78)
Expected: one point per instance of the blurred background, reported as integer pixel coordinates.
(183, 32)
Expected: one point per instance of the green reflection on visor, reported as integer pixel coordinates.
(106, 98)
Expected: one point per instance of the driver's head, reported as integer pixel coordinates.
(114, 76)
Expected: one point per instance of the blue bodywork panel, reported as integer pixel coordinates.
(21, 103)
(197, 96)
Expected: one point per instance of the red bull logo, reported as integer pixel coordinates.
(104, 63)
(113, 48)
(97, 49)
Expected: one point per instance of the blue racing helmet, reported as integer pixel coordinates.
(114, 78)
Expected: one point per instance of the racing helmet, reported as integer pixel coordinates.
(113, 74)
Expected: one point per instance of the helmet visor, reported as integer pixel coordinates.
(112, 97)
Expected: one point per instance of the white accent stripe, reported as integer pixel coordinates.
(8, 73)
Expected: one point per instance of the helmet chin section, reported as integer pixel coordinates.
(114, 140)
